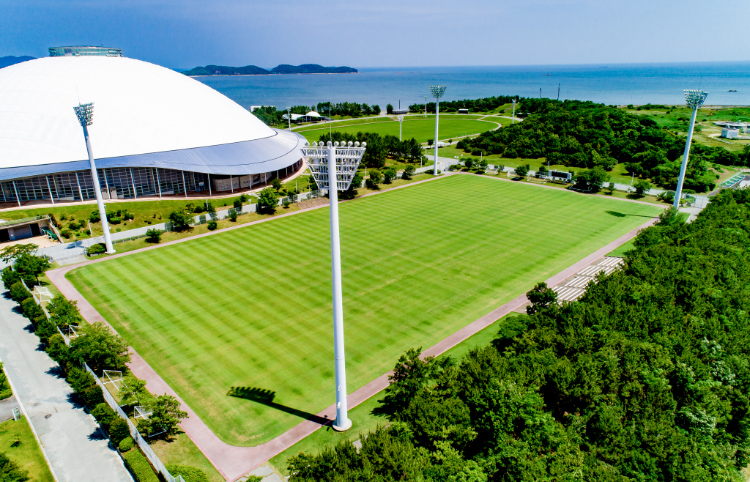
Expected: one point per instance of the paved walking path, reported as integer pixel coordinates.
(232, 461)
(69, 436)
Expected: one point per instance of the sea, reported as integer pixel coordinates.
(728, 83)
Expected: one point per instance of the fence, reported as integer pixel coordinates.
(142, 443)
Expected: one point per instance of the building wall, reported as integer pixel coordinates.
(127, 183)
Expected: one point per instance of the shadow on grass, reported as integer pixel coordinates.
(623, 215)
(265, 397)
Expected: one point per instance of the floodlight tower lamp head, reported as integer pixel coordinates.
(437, 90)
(85, 113)
(695, 98)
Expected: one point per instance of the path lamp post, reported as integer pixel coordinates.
(85, 114)
(333, 167)
(694, 99)
(400, 123)
(437, 92)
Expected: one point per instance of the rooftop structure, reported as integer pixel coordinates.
(87, 51)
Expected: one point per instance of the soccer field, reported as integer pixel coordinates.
(251, 308)
(419, 128)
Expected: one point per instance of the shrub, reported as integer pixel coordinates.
(93, 217)
(641, 187)
(287, 203)
(118, 431)
(190, 474)
(10, 471)
(58, 350)
(244, 198)
(522, 170)
(267, 201)
(140, 468)
(180, 220)
(237, 204)
(389, 175)
(65, 233)
(114, 219)
(96, 249)
(74, 225)
(375, 178)
(10, 277)
(118, 230)
(30, 309)
(153, 235)
(233, 215)
(104, 415)
(127, 443)
(276, 183)
(79, 380)
(5, 390)
(408, 172)
(18, 292)
(212, 225)
(92, 396)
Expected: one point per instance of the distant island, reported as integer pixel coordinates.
(10, 60)
(280, 69)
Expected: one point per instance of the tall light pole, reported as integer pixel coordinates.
(425, 105)
(289, 116)
(85, 114)
(693, 99)
(437, 92)
(513, 116)
(338, 163)
(400, 124)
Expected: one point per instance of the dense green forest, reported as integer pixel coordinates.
(585, 135)
(645, 378)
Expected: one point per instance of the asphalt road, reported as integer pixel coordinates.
(70, 436)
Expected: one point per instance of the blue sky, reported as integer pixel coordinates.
(379, 33)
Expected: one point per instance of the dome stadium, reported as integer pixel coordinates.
(155, 132)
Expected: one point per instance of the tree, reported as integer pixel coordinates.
(133, 391)
(276, 183)
(522, 170)
(408, 172)
(268, 200)
(153, 235)
(375, 108)
(29, 267)
(180, 220)
(430, 142)
(469, 162)
(540, 297)
(389, 109)
(10, 277)
(237, 204)
(389, 175)
(64, 312)
(351, 192)
(375, 177)
(641, 186)
(233, 215)
(165, 415)
(593, 179)
(100, 348)
(12, 252)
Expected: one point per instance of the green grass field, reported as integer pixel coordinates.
(18, 443)
(251, 308)
(419, 128)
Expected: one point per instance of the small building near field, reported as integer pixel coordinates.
(561, 176)
(400, 111)
(728, 133)
(463, 111)
(17, 229)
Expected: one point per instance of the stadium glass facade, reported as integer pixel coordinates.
(131, 183)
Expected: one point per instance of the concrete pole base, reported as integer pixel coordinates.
(342, 427)
(111, 252)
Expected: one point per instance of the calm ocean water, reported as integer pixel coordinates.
(610, 84)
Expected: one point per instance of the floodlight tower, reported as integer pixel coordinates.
(425, 105)
(289, 116)
(333, 167)
(693, 99)
(437, 92)
(400, 124)
(85, 114)
(513, 116)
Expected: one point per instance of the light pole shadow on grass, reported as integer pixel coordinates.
(623, 215)
(265, 397)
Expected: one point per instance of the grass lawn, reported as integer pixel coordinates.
(180, 450)
(222, 316)
(18, 443)
(417, 127)
(362, 417)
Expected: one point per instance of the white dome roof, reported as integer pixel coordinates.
(139, 108)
